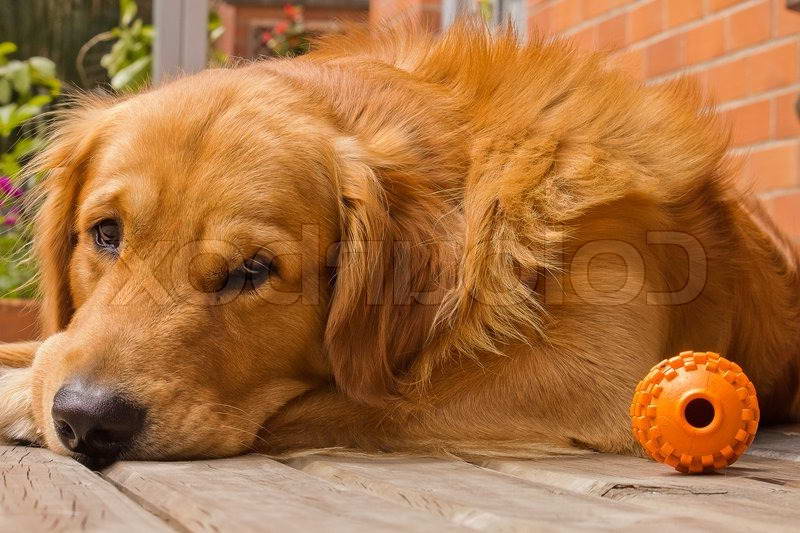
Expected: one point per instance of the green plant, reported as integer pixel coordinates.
(16, 274)
(130, 61)
(288, 37)
(11, 162)
(215, 31)
(26, 87)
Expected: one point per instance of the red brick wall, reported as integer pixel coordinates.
(744, 53)
(427, 11)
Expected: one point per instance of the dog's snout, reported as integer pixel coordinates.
(95, 421)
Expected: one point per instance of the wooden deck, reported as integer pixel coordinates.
(40, 491)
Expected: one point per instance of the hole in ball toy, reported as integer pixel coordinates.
(699, 412)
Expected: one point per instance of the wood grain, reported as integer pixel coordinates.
(483, 499)
(752, 494)
(778, 443)
(253, 493)
(41, 491)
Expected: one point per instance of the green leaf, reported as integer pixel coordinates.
(6, 48)
(40, 100)
(6, 114)
(26, 146)
(115, 59)
(127, 11)
(23, 113)
(216, 33)
(21, 78)
(9, 165)
(5, 91)
(55, 86)
(133, 75)
(12, 115)
(43, 66)
(16, 274)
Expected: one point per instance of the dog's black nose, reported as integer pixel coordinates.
(94, 421)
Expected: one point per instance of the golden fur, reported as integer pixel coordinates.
(481, 247)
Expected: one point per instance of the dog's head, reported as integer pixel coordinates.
(212, 249)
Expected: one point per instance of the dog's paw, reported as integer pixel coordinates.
(16, 414)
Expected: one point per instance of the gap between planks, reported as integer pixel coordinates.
(44, 492)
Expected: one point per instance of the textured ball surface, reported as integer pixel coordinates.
(696, 412)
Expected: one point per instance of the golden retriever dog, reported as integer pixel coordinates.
(402, 242)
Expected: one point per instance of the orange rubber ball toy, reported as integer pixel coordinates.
(696, 412)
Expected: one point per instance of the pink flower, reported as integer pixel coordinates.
(8, 188)
(12, 217)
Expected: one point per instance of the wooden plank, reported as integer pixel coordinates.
(752, 494)
(253, 493)
(483, 499)
(778, 443)
(41, 491)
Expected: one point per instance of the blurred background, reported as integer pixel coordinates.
(745, 54)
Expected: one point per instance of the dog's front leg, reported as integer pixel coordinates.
(16, 415)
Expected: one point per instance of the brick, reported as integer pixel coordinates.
(665, 55)
(683, 11)
(716, 5)
(700, 79)
(646, 20)
(749, 123)
(787, 21)
(787, 120)
(593, 8)
(541, 22)
(772, 168)
(749, 26)
(728, 81)
(392, 9)
(565, 14)
(586, 39)
(612, 33)
(632, 62)
(772, 68)
(705, 42)
(784, 210)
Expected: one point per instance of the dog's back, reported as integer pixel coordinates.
(617, 209)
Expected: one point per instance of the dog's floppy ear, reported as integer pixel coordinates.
(63, 164)
(391, 270)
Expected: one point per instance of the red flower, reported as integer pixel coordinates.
(266, 37)
(281, 27)
(291, 11)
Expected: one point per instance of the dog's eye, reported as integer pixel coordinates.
(251, 274)
(107, 235)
